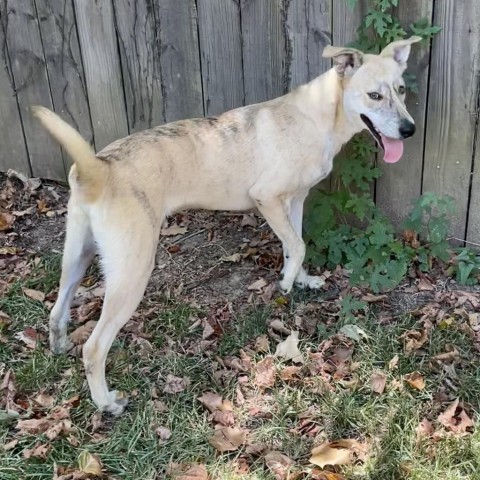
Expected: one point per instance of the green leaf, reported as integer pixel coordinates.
(353, 332)
(424, 28)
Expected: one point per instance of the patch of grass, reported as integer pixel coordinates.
(130, 448)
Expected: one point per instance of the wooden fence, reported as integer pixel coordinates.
(111, 67)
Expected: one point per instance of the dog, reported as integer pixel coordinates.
(268, 155)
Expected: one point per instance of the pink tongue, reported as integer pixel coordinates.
(393, 149)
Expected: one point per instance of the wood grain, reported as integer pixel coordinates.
(266, 57)
(451, 119)
(346, 21)
(140, 52)
(32, 86)
(13, 152)
(180, 61)
(401, 183)
(64, 65)
(221, 55)
(101, 61)
(309, 29)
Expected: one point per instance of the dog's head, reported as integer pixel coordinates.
(374, 92)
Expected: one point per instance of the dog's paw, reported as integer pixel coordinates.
(118, 402)
(311, 281)
(285, 286)
(59, 343)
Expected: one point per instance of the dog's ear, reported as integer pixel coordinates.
(347, 60)
(400, 50)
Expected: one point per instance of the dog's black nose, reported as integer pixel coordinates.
(407, 129)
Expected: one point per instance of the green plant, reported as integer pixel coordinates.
(343, 226)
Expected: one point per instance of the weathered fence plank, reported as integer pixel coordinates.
(346, 21)
(266, 61)
(309, 29)
(451, 105)
(64, 65)
(180, 62)
(401, 183)
(103, 74)
(13, 152)
(31, 82)
(138, 31)
(221, 55)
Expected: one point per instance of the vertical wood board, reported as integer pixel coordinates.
(180, 61)
(103, 73)
(138, 36)
(451, 121)
(221, 55)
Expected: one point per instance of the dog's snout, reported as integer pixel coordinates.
(407, 128)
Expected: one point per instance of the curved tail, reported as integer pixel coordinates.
(91, 171)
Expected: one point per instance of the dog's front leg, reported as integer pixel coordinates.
(296, 218)
(275, 212)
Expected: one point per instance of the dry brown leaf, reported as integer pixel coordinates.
(6, 221)
(258, 285)
(96, 421)
(290, 373)
(393, 363)
(29, 337)
(249, 220)
(447, 357)
(212, 401)
(340, 452)
(425, 428)
(34, 294)
(163, 434)
(264, 372)
(455, 418)
(225, 418)
(279, 464)
(370, 298)
(196, 472)
(414, 339)
(80, 335)
(415, 380)
(38, 451)
(279, 326)
(288, 349)
(234, 258)
(378, 382)
(173, 230)
(324, 475)
(262, 344)
(175, 384)
(44, 400)
(425, 285)
(90, 463)
(227, 439)
(10, 445)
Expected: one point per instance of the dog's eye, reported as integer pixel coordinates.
(401, 90)
(375, 96)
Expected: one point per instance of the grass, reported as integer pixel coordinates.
(130, 449)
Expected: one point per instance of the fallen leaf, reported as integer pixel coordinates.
(425, 285)
(425, 428)
(378, 382)
(415, 380)
(258, 285)
(235, 258)
(227, 439)
(290, 373)
(96, 421)
(6, 221)
(34, 294)
(163, 434)
(38, 451)
(340, 452)
(196, 472)
(393, 363)
(456, 421)
(447, 357)
(288, 349)
(175, 384)
(414, 339)
(264, 372)
(212, 401)
(80, 335)
(279, 327)
(324, 475)
(173, 230)
(42, 206)
(353, 332)
(29, 337)
(370, 298)
(44, 400)
(262, 344)
(225, 418)
(90, 463)
(249, 220)
(279, 464)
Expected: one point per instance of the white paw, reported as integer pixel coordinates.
(310, 281)
(117, 404)
(285, 285)
(59, 342)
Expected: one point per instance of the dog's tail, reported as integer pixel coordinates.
(91, 171)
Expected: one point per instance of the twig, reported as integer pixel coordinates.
(466, 241)
(194, 234)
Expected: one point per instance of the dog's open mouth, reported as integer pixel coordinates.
(392, 148)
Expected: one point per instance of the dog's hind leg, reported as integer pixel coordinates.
(77, 256)
(128, 262)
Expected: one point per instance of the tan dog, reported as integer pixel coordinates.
(267, 156)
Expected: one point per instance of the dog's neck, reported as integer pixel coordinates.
(322, 101)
